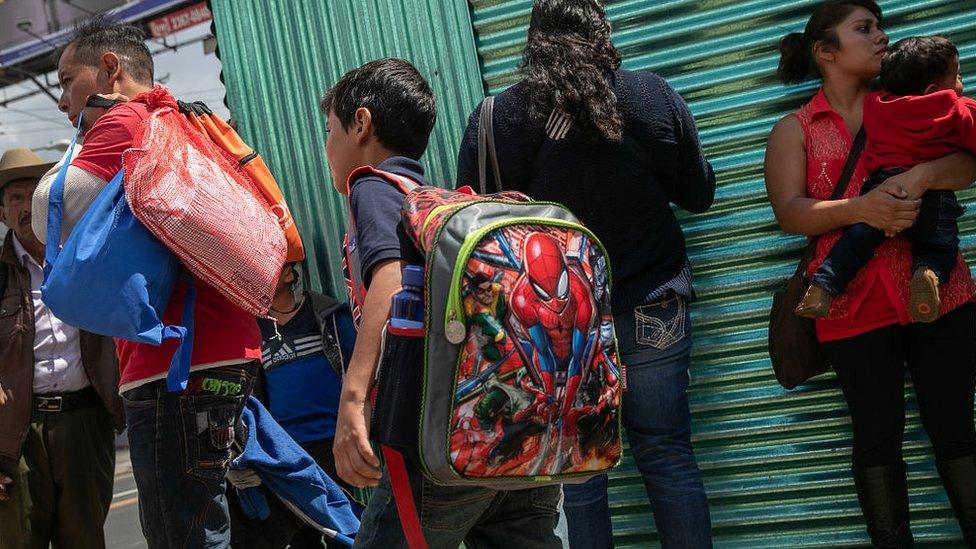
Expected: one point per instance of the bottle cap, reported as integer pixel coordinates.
(413, 275)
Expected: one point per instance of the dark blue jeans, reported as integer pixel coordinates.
(934, 237)
(180, 447)
(655, 346)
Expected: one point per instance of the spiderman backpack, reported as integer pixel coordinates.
(515, 380)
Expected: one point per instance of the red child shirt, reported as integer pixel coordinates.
(223, 333)
(907, 130)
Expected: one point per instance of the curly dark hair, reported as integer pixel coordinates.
(566, 64)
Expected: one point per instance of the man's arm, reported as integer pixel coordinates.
(81, 188)
(92, 166)
(355, 461)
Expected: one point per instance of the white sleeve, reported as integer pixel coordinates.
(80, 189)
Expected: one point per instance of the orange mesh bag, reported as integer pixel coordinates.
(220, 132)
(199, 202)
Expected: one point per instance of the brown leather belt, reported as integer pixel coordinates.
(64, 402)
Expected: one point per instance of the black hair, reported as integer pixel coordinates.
(566, 65)
(913, 64)
(99, 35)
(296, 272)
(398, 98)
(796, 61)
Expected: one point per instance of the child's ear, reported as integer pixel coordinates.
(931, 88)
(363, 124)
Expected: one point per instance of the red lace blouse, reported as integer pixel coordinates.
(878, 295)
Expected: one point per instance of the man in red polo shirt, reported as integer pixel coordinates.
(179, 442)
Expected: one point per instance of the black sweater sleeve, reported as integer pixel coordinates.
(680, 165)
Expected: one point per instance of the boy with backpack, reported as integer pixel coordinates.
(381, 115)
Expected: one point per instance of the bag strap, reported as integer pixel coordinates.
(403, 496)
(852, 157)
(55, 208)
(486, 147)
(179, 366)
(845, 179)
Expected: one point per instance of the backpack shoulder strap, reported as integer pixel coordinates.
(486, 146)
(351, 262)
(404, 184)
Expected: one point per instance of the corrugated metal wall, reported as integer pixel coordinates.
(775, 463)
(279, 57)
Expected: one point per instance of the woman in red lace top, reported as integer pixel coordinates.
(868, 335)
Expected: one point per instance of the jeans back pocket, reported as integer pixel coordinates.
(663, 323)
(208, 433)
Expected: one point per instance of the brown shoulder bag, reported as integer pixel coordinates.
(794, 351)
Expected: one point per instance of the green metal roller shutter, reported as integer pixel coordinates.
(279, 57)
(776, 463)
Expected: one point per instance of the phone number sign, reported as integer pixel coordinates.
(179, 20)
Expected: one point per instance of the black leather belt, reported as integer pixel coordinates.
(64, 402)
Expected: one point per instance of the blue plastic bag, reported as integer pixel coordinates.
(113, 277)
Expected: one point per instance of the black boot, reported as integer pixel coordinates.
(883, 494)
(959, 477)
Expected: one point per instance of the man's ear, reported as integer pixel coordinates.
(363, 124)
(111, 66)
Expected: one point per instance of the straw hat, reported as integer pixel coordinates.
(22, 163)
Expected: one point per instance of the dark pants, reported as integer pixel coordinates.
(941, 358)
(180, 447)
(62, 487)
(478, 517)
(655, 345)
(934, 237)
(282, 528)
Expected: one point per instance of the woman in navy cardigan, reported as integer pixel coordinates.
(617, 148)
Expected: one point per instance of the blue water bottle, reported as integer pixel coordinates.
(407, 306)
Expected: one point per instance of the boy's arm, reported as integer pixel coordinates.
(355, 461)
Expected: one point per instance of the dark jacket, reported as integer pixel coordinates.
(325, 309)
(337, 343)
(17, 358)
(621, 191)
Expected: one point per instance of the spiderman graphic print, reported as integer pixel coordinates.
(538, 384)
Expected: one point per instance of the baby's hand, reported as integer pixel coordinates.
(910, 184)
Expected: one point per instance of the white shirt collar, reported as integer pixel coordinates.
(22, 254)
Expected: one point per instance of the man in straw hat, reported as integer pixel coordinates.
(59, 403)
